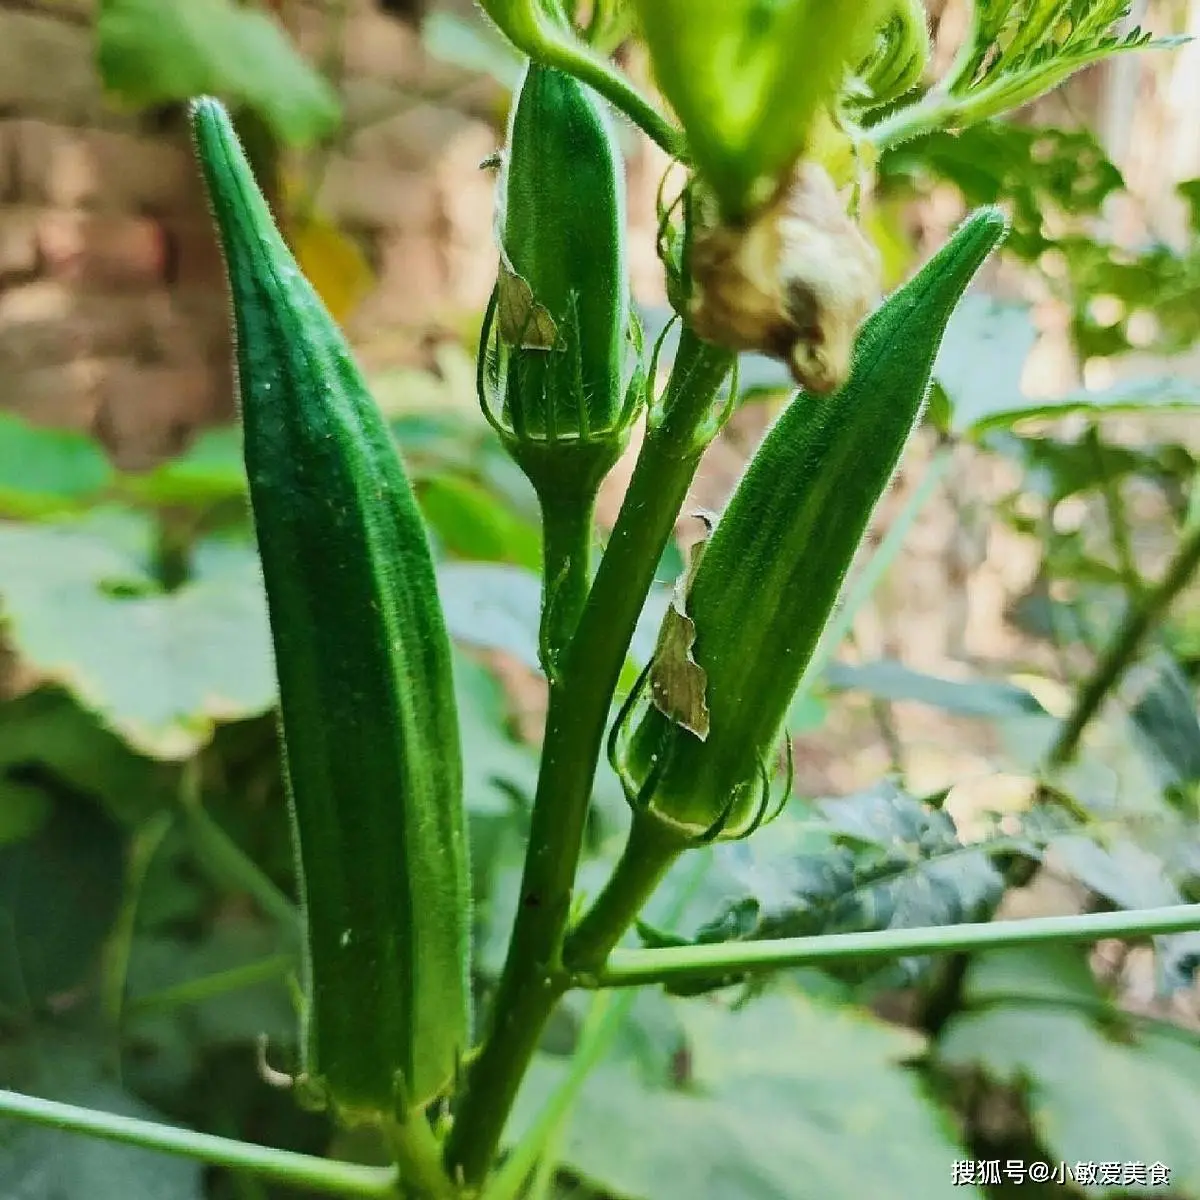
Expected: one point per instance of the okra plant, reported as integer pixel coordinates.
(777, 112)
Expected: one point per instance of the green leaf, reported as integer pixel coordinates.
(1021, 49)
(471, 45)
(210, 471)
(59, 892)
(24, 809)
(470, 522)
(154, 52)
(158, 668)
(46, 728)
(43, 1164)
(44, 472)
(877, 860)
(1130, 1095)
(783, 1091)
(1032, 170)
(494, 763)
(890, 680)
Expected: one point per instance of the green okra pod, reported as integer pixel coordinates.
(367, 708)
(745, 628)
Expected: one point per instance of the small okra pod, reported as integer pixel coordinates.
(768, 579)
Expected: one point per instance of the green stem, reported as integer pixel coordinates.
(532, 982)
(1140, 619)
(301, 1171)
(637, 968)
(143, 847)
(555, 46)
(226, 859)
(1118, 523)
(568, 529)
(648, 854)
(196, 991)
(418, 1154)
(604, 1022)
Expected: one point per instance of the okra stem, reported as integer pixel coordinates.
(648, 854)
(677, 964)
(568, 531)
(322, 1175)
(580, 698)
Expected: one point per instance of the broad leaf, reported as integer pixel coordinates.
(59, 891)
(1099, 1092)
(45, 1164)
(48, 471)
(786, 1090)
(158, 667)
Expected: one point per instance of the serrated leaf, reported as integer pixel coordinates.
(877, 860)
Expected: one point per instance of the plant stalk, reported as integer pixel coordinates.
(532, 980)
(638, 968)
(301, 1171)
(648, 854)
(1139, 620)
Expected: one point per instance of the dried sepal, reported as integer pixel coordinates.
(795, 283)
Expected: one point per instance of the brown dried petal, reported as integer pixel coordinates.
(795, 283)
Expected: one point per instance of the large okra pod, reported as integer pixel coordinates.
(369, 726)
(768, 579)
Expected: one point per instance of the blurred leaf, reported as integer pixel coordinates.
(210, 471)
(472, 45)
(159, 668)
(48, 730)
(44, 1164)
(1057, 467)
(44, 472)
(1032, 170)
(1163, 711)
(236, 1016)
(890, 680)
(24, 809)
(1094, 1096)
(783, 1091)
(982, 357)
(153, 52)
(471, 523)
(330, 260)
(1133, 396)
(493, 760)
(491, 606)
(59, 892)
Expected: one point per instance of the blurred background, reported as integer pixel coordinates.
(144, 869)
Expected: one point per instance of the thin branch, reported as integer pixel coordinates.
(301, 1171)
(1139, 620)
(633, 968)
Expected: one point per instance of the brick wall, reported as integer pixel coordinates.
(112, 309)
